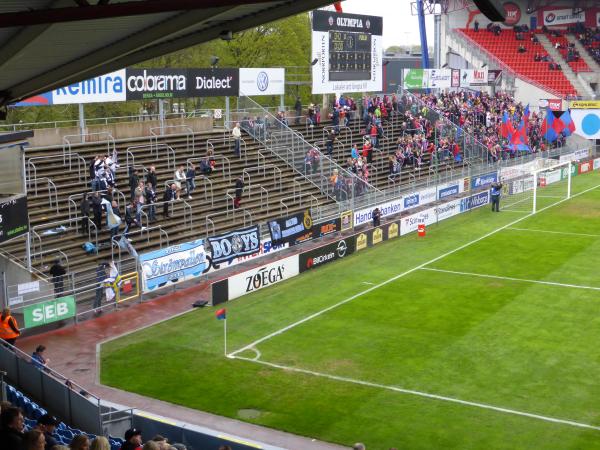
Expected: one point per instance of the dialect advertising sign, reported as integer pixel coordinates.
(213, 82)
(292, 229)
(14, 219)
(51, 311)
(262, 81)
(228, 246)
(322, 255)
(172, 264)
(484, 180)
(261, 277)
(563, 16)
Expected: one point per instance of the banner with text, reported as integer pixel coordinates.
(172, 265)
(225, 247)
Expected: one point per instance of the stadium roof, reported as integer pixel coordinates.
(46, 44)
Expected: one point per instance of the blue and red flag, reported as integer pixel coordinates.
(568, 123)
(507, 129)
(549, 126)
(221, 314)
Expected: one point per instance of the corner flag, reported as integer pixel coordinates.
(221, 314)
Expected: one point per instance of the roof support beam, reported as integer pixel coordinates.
(104, 10)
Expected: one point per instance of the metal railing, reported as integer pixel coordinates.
(210, 143)
(277, 183)
(188, 132)
(225, 167)
(144, 230)
(111, 148)
(73, 207)
(209, 222)
(35, 234)
(52, 192)
(32, 169)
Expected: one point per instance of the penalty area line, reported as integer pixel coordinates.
(396, 277)
(423, 394)
(523, 280)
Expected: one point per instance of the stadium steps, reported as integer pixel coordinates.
(560, 56)
(583, 52)
(67, 184)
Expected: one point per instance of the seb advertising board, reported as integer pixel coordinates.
(262, 81)
(261, 277)
(50, 311)
(172, 264)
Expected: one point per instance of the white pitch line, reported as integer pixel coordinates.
(368, 282)
(568, 233)
(425, 394)
(524, 280)
(396, 277)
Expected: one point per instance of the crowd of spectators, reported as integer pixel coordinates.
(589, 38)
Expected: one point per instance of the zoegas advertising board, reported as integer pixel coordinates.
(261, 277)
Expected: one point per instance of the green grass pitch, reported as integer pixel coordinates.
(502, 355)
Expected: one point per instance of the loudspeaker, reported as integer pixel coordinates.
(492, 9)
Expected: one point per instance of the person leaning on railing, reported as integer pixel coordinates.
(9, 329)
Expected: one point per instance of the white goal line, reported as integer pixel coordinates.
(523, 280)
(396, 277)
(421, 394)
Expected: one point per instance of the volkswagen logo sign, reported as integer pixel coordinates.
(262, 81)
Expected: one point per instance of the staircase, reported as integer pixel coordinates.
(583, 89)
(591, 62)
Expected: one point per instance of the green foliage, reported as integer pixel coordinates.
(284, 43)
(513, 344)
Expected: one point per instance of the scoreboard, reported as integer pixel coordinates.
(348, 50)
(349, 56)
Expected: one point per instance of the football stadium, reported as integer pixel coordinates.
(299, 225)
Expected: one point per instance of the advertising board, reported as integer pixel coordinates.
(474, 201)
(50, 311)
(265, 247)
(596, 165)
(104, 88)
(172, 264)
(269, 81)
(261, 277)
(585, 167)
(473, 77)
(156, 83)
(227, 246)
(484, 180)
(390, 208)
(328, 253)
(292, 229)
(14, 220)
(563, 16)
(213, 82)
(448, 191)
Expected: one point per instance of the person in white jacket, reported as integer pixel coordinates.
(236, 133)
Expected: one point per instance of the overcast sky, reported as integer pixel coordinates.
(399, 26)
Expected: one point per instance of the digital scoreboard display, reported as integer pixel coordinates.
(349, 56)
(347, 50)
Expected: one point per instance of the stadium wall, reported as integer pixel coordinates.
(125, 130)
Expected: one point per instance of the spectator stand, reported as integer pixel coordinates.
(99, 137)
(55, 229)
(73, 206)
(232, 214)
(52, 192)
(32, 169)
(210, 144)
(157, 133)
